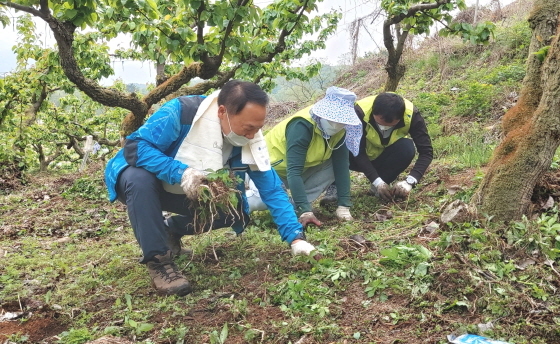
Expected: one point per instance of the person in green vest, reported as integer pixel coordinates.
(310, 151)
(385, 149)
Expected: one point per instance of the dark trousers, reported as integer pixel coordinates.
(145, 200)
(392, 161)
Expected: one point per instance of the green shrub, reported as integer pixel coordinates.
(465, 150)
(475, 100)
(427, 66)
(86, 187)
(431, 104)
(514, 39)
(75, 336)
(555, 164)
(512, 73)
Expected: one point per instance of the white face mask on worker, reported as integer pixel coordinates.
(385, 127)
(233, 138)
(331, 128)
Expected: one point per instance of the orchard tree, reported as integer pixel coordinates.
(41, 132)
(416, 17)
(60, 131)
(35, 128)
(211, 40)
(531, 127)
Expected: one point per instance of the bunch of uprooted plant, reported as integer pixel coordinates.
(218, 197)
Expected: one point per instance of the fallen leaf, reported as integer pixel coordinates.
(548, 204)
(525, 263)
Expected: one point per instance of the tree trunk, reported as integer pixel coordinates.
(531, 90)
(46, 160)
(43, 163)
(160, 74)
(395, 71)
(33, 108)
(532, 126)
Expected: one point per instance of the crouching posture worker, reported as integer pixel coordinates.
(162, 164)
(309, 151)
(385, 150)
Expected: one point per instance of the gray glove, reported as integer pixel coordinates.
(309, 218)
(382, 190)
(403, 188)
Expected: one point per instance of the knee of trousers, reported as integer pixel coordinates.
(406, 148)
(135, 180)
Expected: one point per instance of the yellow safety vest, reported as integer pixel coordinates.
(374, 147)
(318, 150)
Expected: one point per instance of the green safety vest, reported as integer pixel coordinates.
(318, 150)
(374, 147)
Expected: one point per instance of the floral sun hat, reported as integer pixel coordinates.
(338, 106)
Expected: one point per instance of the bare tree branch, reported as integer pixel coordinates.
(413, 10)
(229, 28)
(402, 39)
(33, 108)
(44, 5)
(4, 112)
(23, 8)
(100, 140)
(64, 35)
(204, 86)
(172, 84)
(200, 25)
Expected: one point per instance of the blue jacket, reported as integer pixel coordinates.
(154, 145)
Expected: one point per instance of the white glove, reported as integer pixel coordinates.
(302, 247)
(191, 181)
(343, 213)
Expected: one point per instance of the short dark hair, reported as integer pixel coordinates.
(390, 106)
(235, 94)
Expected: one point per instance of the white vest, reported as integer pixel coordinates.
(202, 147)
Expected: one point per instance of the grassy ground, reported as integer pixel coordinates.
(69, 272)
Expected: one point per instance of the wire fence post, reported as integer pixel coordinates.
(88, 148)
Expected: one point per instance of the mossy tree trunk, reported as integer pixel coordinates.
(531, 128)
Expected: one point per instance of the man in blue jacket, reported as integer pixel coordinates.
(163, 164)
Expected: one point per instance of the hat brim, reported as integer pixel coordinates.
(336, 111)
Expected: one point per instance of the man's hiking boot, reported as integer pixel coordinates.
(174, 242)
(331, 196)
(166, 277)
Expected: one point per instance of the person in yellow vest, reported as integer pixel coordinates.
(310, 151)
(385, 149)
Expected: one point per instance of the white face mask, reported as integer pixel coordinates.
(233, 138)
(331, 128)
(385, 127)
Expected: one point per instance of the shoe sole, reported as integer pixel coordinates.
(180, 292)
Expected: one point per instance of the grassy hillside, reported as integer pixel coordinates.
(68, 259)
